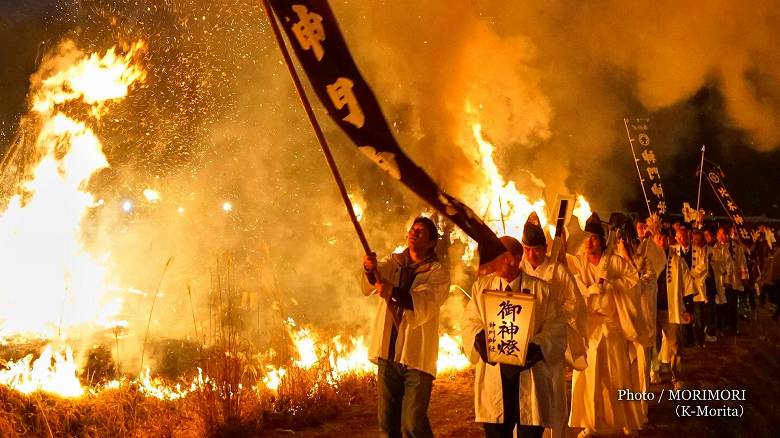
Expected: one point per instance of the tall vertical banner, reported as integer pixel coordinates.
(320, 48)
(638, 131)
(715, 176)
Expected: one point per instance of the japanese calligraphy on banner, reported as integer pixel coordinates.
(715, 177)
(638, 131)
(509, 317)
(317, 41)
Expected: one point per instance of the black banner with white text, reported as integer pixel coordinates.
(311, 28)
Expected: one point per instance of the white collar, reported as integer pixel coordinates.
(514, 284)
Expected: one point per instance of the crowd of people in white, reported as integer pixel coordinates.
(617, 311)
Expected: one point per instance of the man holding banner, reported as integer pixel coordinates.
(404, 343)
(506, 396)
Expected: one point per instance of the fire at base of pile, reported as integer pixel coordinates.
(220, 402)
(233, 392)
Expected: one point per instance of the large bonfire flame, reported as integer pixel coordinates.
(42, 223)
(49, 284)
(49, 263)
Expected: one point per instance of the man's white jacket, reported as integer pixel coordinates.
(698, 268)
(417, 343)
(537, 398)
(740, 276)
(723, 266)
(679, 284)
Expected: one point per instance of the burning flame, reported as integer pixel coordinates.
(306, 344)
(350, 357)
(45, 260)
(501, 199)
(505, 208)
(451, 357)
(273, 377)
(582, 211)
(53, 371)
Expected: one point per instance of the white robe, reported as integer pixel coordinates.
(651, 260)
(561, 281)
(417, 343)
(740, 273)
(639, 350)
(723, 265)
(536, 388)
(700, 271)
(610, 328)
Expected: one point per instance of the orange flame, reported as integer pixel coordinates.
(46, 260)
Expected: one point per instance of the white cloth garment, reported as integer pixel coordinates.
(417, 343)
(562, 282)
(536, 388)
(723, 265)
(679, 284)
(612, 302)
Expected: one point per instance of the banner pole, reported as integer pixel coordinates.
(636, 163)
(701, 172)
(316, 126)
(698, 193)
(395, 311)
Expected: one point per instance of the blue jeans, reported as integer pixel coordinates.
(403, 395)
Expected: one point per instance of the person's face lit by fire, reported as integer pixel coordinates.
(641, 229)
(709, 238)
(509, 266)
(535, 254)
(661, 240)
(594, 245)
(698, 239)
(419, 240)
(723, 236)
(683, 237)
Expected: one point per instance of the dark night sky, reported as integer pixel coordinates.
(27, 28)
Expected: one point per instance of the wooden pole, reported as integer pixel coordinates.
(638, 171)
(316, 126)
(701, 172)
(397, 315)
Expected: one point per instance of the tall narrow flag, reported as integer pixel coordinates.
(715, 177)
(638, 131)
(320, 48)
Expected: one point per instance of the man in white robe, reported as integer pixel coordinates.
(730, 251)
(674, 284)
(640, 350)
(607, 284)
(722, 266)
(698, 271)
(506, 396)
(537, 263)
(741, 255)
(701, 275)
